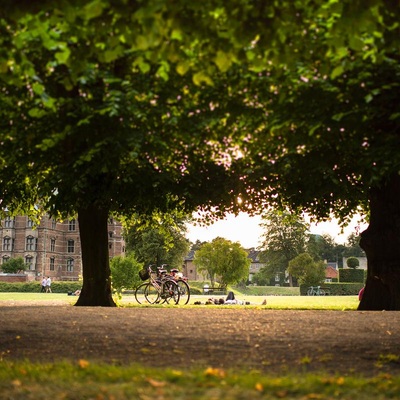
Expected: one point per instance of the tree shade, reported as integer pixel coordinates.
(113, 106)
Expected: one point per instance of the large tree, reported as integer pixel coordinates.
(89, 128)
(323, 73)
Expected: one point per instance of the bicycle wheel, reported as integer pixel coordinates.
(310, 292)
(151, 294)
(184, 291)
(139, 293)
(170, 292)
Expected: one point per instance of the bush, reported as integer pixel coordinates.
(351, 275)
(353, 262)
(337, 289)
(14, 265)
(35, 287)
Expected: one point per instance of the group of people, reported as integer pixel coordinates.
(46, 285)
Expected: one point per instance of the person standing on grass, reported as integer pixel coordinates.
(48, 285)
(44, 283)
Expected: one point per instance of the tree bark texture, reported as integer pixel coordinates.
(96, 289)
(381, 243)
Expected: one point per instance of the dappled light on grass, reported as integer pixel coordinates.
(84, 379)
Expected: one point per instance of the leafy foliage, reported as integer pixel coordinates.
(125, 272)
(14, 265)
(223, 260)
(158, 241)
(353, 262)
(306, 270)
(284, 238)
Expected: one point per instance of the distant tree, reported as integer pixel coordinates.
(307, 270)
(125, 272)
(161, 241)
(14, 265)
(323, 247)
(262, 277)
(284, 237)
(353, 262)
(228, 261)
(353, 248)
(197, 245)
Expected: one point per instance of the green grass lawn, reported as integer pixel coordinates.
(84, 380)
(273, 302)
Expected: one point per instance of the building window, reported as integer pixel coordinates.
(53, 245)
(71, 225)
(70, 265)
(5, 259)
(29, 262)
(52, 263)
(6, 243)
(30, 223)
(71, 246)
(9, 222)
(110, 246)
(31, 243)
(53, 224)
(110, 234)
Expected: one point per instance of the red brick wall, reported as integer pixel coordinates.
(13, 278)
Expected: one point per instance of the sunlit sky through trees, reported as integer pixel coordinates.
(248, 232)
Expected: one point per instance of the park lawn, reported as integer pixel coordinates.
(273, 302)
(85, 380)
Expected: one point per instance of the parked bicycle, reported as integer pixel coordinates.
(181, 281)
(157, 289)
(315, 291)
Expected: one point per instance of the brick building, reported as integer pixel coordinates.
(52, 248)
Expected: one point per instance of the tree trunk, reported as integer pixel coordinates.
(381, 243)
(96, 289)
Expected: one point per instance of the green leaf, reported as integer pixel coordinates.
(93, 9)
(337, 72)
(63, 56)
(223, 61)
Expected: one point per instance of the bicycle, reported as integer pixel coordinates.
(157, 289)
(184, 288)
(315, 291)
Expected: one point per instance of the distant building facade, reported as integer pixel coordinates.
(52, 248)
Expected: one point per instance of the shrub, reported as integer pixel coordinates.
(351, 275)
(14, 265)
(353, 262)
(33, 287)
(337, 289)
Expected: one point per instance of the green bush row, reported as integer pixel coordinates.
(32, 287)
(351, 275)
(336, 288)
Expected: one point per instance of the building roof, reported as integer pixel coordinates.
(331, 272)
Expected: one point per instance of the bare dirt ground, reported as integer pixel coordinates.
(347, 342)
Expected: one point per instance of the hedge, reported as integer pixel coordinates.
(336, 289)
(35, 287)
(351, 275)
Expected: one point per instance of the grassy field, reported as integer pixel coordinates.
(84, 380)
(273, 302)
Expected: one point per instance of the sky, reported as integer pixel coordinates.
(246, 230)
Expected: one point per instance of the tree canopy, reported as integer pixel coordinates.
(115, 106)
(306, 270)
(284, 237)
(223, 260)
